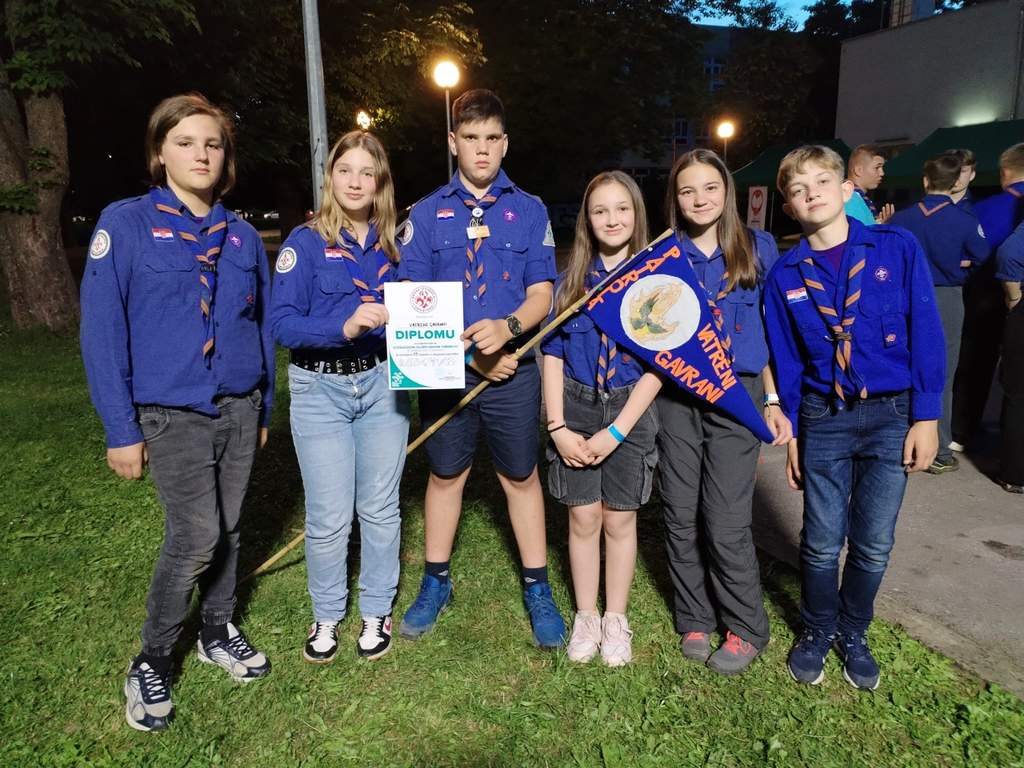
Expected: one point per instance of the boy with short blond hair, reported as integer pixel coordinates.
(857, 342)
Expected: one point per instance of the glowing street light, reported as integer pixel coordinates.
(364, 121)
(446, 75)
(725, 131)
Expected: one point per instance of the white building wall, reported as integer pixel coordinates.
(898, 85)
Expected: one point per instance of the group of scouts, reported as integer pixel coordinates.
(841, 340)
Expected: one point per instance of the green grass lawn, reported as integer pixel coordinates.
(79, 546)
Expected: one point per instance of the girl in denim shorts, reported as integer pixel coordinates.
(601, 421)
(350, 431)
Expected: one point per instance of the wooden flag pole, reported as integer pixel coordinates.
(536, 339)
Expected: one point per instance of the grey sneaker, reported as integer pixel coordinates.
(696, 646)
(952, 464)
(616, 640)
(585, 641)
(148, 692)
(237, 656)
(734, 656)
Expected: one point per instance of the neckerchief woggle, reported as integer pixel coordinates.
(207, 257)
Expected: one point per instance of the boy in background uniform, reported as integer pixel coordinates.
(857, 342)
(865, 172)
(953, 243)
(961, 194)
(481, 230)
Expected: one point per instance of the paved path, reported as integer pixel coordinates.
(956, 575)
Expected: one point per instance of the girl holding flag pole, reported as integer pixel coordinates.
(708, 460)
(350, 431)
(601, 423)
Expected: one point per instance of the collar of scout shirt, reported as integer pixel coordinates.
(691, 248)
(229, 215)
(932, 202)
(348, 239)
(456, 187)
(858, 235)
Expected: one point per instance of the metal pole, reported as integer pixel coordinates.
(315, 94)
(725, 154)
(448, 114)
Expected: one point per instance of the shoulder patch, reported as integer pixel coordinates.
(100, 246)
(405, 232)
(549, 236)
(286, 261)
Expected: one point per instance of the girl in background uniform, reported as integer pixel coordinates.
(601, 423)
(708, 459)
(181, 370)
(350, 431)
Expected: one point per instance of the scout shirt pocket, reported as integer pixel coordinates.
(450, 243)
(744, 303)
(578, 323)
(170, 279)
(336, 291)
(884, 312)
(236, 282)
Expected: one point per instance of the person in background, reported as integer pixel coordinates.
(866, 170)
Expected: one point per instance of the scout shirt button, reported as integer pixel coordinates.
(739, 327)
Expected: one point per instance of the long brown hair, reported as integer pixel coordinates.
(169, 113)
(584, 245)
(331, 218)
(733, 236)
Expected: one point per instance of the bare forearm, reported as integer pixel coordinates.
(554, 388)
(639, 401)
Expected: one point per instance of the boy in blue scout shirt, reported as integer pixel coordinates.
(181, 370)
(865, 172)
(857, 342)
(953, 243)
(483, 231)
(961, 194)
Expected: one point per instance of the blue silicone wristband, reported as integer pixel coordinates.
(619, 437)
(469, 352)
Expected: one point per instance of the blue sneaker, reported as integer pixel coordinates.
(859, 666)
(548, 626)
(807, 659)
(433, 600)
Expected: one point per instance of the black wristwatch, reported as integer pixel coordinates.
(514, 326)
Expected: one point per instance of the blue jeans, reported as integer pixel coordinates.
(852, 463)
(350, 435)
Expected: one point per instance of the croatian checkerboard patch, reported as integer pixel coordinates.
(445, 213)
(797, 294)
(163, 235)
(100, 244)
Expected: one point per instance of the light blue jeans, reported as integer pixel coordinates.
(350, 435)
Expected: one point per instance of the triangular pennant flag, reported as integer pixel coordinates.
(656, 307)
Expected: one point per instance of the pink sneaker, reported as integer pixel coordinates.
(585, 641)
(616, 640)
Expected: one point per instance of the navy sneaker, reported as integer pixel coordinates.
(236, 656)
(859, 666)
(807, 659)
(434, 599)
(548, 626)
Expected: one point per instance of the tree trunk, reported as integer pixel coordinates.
(32, 256)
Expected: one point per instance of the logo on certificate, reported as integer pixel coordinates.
(423, 299)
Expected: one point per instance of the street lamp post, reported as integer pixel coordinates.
(725, 130)
(446, 75)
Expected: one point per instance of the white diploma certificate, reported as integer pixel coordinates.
(424, 325)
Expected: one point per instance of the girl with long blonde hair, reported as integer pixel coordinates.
(349, 430)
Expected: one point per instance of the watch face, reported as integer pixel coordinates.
(514, 325)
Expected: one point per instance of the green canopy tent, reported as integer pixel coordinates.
(986, 140)
(763, 171)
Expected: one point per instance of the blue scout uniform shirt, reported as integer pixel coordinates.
(1010, 257)
(1000, 214)
(948, 234)
(897, 335)
(142, 328)
(577, 342)
(856, 208)
(519, 253)
(741, 308)
(965, 203)
(314, 294)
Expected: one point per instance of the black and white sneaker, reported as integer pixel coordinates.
(375, 637)
(149, 697)
(322, 643)
(237, 656)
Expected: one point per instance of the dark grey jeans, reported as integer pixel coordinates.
(707, 464)
(950, 301)
(200, 466)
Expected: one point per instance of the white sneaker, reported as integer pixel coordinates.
(375, 637)
(237, 656)
(322, 643)
(148, 693)
(585, 641)
(616, 640)
(955, 446)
